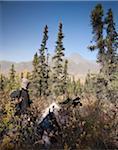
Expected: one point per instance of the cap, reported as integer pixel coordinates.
(24, 83)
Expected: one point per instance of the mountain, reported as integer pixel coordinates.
(19, 67)
(78, 66)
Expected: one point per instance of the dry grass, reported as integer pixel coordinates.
(92, 126)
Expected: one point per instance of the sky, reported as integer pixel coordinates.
(22, 24)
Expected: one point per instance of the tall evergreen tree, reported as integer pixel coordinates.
(47, 81)
(107, 45)
(28, 75)
(65, 77)
(35, 63)
(42, 63)
(79, 87)
(88, 85)
(58, 63)
(111, 43)
(69, 87)
(12, 76)
(74, 87)
(97, 23)
(35, 87)
(12, 73)
(1, 80)
(1, 83)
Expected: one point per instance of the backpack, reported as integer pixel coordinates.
(15, 94)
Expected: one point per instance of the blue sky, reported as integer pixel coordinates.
(22, 24)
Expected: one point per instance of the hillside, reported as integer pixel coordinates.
(78, 66)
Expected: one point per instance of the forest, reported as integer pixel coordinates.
(92, 126)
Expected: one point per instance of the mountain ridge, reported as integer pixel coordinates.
(78, 66)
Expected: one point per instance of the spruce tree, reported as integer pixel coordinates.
(58, 63)
(28, 75)
(12, 73)
(12, 76)
(47, 81)
(107, 45)
(88, 85)
(69, 87)
(35, 76)
(97, 23)
(42, 63)
(74, 87)
(65, 77)
(111, 43)
(35, 63)
(79, 87)
(1, 83)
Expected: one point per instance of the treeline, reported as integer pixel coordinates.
(45, 79)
